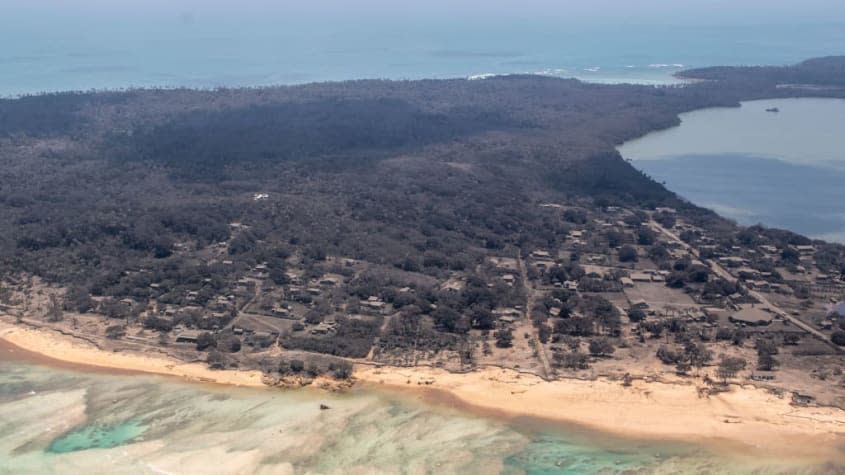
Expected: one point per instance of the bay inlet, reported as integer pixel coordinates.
(780, 163)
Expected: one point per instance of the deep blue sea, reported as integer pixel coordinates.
(59, 47)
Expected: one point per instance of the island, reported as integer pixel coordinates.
(480, 240)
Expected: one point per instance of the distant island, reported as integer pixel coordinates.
(479, 237)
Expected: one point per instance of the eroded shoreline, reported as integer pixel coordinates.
(746, 416)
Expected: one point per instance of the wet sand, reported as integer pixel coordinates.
(744, 417)
(54, 349)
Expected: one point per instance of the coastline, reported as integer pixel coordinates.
(746, 417)
(81, 354)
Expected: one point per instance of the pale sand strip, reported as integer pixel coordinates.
(69, 350)
(747, 415)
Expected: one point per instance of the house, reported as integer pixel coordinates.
(570, 285)
(452, 285)
(639, 303)
(746, 272)
(753, 316)
(373, 303)
(763, 376)
(759, 284)
(732, 261)
(188, 336)
(808, 250)
(802, 399)
(507, 312)
(323, 328)
(278, 311)
(507, 319)
(640, 277)
(626, 282)
(541, 255)
(509, 279)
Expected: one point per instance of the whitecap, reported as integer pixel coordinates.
(476, 77)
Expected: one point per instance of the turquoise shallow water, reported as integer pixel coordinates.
(93, 436)
(59, 421)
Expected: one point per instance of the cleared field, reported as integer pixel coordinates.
(658, 295)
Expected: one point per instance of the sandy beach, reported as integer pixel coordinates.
(65, 349)
(746, 415)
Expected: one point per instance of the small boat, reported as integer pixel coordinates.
(323, 407)
(773, 109)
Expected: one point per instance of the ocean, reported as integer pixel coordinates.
(61, 421)
(64, 421)
(70, 47)
(783, 169)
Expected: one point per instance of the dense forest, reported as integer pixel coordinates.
(172, 196)
(828, 72)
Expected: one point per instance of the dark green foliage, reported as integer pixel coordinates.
(729, 366)
(205, 340)
(601, 347)
(353, 338)
(627, 254)
(151, 192)
(574, 360)
(504, 338)
(636, 315)
(297, 366)
(229, 343)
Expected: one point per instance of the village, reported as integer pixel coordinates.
(628, 293)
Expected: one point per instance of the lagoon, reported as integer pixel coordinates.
(783, 169)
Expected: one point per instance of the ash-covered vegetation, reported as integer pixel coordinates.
(359, 219)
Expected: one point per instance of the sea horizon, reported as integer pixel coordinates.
(107, 49)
